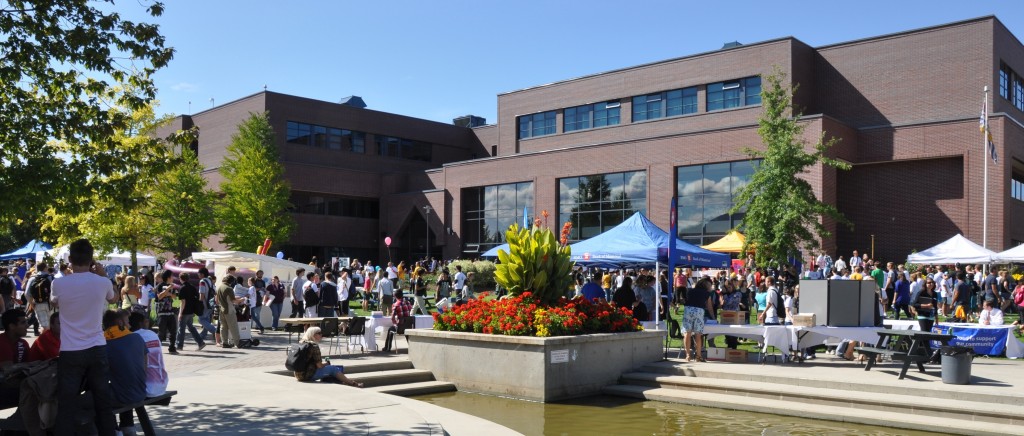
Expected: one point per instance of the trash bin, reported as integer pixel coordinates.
(956, 365)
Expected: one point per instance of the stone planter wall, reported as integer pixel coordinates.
(530, 368)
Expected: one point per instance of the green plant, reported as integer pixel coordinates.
(483, 272)
(536, 262)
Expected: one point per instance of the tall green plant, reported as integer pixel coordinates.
(536, 262)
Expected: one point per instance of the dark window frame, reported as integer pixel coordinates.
(538, 124)
(659, 105)
(591, 116)
(731, 94)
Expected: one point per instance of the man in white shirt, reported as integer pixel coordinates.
(840, 265)
(393, 275)
(990, 315)
(312, 283)
(344, 286)
(460, 278)
(855, 260)
(82, 298)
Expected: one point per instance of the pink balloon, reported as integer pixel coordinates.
(387, 241)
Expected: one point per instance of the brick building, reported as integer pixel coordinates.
(596, 148)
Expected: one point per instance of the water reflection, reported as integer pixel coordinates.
(606, 415)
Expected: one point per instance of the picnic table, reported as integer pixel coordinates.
(917, 351)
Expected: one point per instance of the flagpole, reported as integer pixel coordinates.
(984, 161)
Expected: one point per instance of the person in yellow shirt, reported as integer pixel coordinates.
(606, 284)
(858, 273)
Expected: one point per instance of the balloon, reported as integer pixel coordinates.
(259, 249)
(280, 255)
(266, 246)
(387, 241)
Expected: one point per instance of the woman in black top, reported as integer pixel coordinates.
(698, 301)
(624, 296)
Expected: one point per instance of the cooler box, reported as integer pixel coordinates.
(805, 320)
(732, 317)
(717, 354)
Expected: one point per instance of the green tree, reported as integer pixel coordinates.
(254, 205)
(181, 208)
(782, 213)
(114, 215)
(60, 68)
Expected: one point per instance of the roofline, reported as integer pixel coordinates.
(907, 32)
(327, 102)
(664, 61)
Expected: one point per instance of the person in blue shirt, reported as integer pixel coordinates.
(592, 289)
(126, 355)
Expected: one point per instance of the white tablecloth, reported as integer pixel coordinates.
(372, 324)
(775, 336)
(786, 338)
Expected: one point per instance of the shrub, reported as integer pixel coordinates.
(536, 262)
(522, 315)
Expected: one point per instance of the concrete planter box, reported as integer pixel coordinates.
(530, 368)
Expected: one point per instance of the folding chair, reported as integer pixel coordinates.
(330, 329)
(355, 331)
(675, 332)
(406, 323)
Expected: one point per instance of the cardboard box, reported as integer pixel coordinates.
(736, 356)
(805, 320)
(732, 317)
(716, 354)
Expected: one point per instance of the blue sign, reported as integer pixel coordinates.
(989, 342)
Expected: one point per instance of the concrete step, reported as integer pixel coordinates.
(756, 373)
(393, 377)
(724, 400)
(413, 389)
(374, 366)
(968, 410)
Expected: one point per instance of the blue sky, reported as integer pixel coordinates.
(441, 59)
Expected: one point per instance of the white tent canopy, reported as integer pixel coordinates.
(957, 249)
(1013, 255)
(116, 258)
(271, 266)
(125, 259)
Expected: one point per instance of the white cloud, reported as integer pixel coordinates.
(185, 87)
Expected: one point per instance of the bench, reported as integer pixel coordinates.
(917, 351)
(14, 423)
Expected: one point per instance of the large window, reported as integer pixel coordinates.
(488, 211)
(665, 104)
(1005, 75)
(705, 196)
(539, 124)
(323, 204)
(326, 137)
(597, 203)
(735, 93)
(590, 116)
(403, 148)
(1017, 181)
(1018, 92)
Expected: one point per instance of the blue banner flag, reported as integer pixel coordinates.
(984, 341)
(526, 219)
(673, 233)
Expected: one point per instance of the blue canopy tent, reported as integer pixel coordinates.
(494, 251)
(28, 251)
(637, 241)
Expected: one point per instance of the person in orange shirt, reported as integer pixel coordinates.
(47, 345)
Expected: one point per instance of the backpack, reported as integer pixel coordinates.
(780, 305)
(310, 296)
(41, 288)
(298, 356)
(211, 293)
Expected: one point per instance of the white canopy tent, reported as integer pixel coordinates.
(1013, 255)
(957, 249)
(118, 258)
(271, 266)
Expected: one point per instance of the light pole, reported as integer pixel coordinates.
(426, 211)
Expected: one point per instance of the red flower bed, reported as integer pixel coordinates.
(523, 316)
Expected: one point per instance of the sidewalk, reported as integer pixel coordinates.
(234, 391)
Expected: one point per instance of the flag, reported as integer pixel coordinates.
(983, 126)
(526, 219)
(673, 233)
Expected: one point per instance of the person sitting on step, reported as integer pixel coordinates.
(316, 368)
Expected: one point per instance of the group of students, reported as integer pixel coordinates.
(112, 353)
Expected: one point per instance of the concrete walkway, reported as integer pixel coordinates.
(234, 391)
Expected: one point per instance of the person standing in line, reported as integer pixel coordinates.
(226, 302)
(772, 311)
(386, 291)
(82, 297)
(698, 302)
(254, 298)
(190, 305)
(419, 287)
(839, 265)
(460, 278)
(328, 296)
(311, 294)
(343, 292)
(392, 275)
(924, 301)
(296, 293)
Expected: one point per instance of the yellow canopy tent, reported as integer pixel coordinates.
(731, 243)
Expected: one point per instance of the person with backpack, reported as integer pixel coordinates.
(310, 365)
(311, 294)
(775, 304)
(38, 296)
(208, 300)
(167, 319)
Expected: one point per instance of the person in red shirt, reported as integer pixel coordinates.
(13, 350)
(47, 345)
